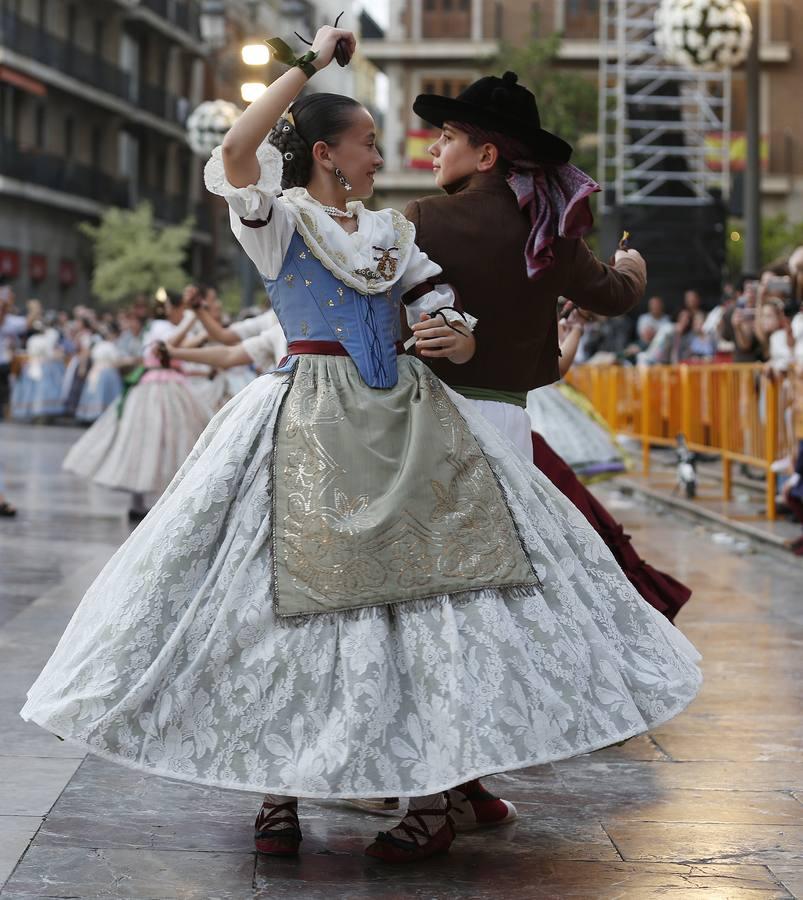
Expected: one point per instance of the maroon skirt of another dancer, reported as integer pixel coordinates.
(660, 590)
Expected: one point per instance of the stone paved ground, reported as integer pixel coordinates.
(709, 806)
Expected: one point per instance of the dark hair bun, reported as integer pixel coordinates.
(296, 155)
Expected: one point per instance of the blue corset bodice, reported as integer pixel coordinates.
(314, 305)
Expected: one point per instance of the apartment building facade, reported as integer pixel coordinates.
(93, 100)
(442, 45)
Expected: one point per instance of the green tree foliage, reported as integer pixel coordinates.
(567, 101)
(779, 237)
(133, 256)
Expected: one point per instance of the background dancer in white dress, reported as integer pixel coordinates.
(103, 384)
(138, 444)
(36, 392)
(229, 377)
(84, 337)
(259, 341)
(569, 424)
(355, 586)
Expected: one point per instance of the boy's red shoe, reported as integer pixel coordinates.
(475, 807)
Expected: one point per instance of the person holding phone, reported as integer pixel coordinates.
(738, 324)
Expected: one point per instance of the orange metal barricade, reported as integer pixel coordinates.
(737, 411)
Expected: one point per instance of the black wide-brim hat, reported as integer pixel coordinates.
(497, 104)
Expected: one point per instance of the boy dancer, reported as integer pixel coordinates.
(507, 233)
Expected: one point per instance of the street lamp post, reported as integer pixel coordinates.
(752, 176)
(255, 54)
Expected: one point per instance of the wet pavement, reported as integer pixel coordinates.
(710, 805)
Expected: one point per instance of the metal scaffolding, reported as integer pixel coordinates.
(654, 117)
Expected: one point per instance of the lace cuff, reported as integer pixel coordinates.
(441, 300)
(453, 316)
(255, 200)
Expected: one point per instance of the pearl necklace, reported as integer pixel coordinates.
(338, 213)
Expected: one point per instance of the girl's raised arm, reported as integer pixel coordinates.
(251, 129)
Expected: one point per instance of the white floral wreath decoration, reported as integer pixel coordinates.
(703, 34)
(208, 123)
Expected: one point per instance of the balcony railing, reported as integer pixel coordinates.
(61, 174)
(91, 183)
(161, 103)
(174, 207)
(28, 40)
(182, 14)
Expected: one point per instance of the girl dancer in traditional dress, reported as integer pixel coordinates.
(36, 393)
(566, 419)
(228, 375)
(355, 586)
(257, 341)
(570, 424)
(266, 323)
(103, 384)
(83, 339)
(138, 444)
(661, 590)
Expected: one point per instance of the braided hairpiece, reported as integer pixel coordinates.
(296, 155)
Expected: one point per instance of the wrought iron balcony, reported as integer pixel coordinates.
(59, 174)
(32, 42)
(91, 183)
(184, 15)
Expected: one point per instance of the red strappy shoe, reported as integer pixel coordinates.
(276, 834)
(392, 849)
(475, 807)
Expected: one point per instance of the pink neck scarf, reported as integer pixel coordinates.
(554, 197)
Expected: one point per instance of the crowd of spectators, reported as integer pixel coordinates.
(757, 320)
(67, 345)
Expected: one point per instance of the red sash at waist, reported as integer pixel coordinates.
(323, 348)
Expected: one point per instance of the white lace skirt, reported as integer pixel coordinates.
(175, 664)
(141, 450)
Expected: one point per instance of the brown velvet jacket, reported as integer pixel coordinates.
(477, 234)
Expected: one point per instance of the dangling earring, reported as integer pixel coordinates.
(342, 179)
